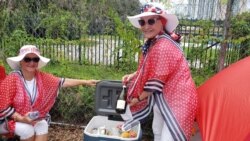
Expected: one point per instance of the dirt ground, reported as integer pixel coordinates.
(65, 133)
(69, 133)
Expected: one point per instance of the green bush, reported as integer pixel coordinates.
(240, 29)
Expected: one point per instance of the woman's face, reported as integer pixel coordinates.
(151, 26)
(30, 62)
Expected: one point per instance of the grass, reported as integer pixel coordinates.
(77, 71)
(69, 103)
(85, 72)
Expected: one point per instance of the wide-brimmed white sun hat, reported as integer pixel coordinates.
(14, 62)
(150, 9)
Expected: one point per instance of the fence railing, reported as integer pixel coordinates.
(201, 48)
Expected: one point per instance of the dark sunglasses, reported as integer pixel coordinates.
(27, 59)
(150, 21)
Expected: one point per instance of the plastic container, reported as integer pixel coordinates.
(106, 95)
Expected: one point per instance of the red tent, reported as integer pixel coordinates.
(224, 104)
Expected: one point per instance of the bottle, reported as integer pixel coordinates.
(33, 115)
(121, 103)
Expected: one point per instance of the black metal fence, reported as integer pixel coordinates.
(200, 48)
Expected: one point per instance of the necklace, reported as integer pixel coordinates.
(30, 87)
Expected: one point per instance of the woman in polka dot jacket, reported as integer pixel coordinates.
(163, 81)
(28, 90)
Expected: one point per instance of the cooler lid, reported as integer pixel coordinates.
(106, 94)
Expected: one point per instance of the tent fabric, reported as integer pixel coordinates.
(224, 104)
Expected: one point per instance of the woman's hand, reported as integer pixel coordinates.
(92, 82)
(126, 78)
(19, 118)
(140, 97)
(133, 101)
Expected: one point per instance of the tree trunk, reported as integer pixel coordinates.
(226, 35)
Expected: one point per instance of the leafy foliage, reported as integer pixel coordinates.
(76, 105)
(241, 33)
(66, 26)
(99, 14)
(130, 42)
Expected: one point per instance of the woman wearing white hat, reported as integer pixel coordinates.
(27, 90)
(163, 80)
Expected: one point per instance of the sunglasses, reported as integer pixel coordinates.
(27, 59)
(149, 22)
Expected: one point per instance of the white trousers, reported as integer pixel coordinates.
(160, 129)
(26, 131)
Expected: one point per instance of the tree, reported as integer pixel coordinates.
(99, 18)
(227, 32)
(226, 35)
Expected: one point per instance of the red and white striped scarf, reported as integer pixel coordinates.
(165, 72)
(13, 94)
